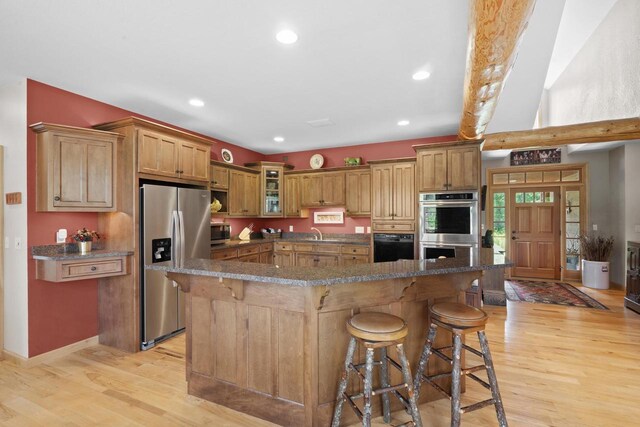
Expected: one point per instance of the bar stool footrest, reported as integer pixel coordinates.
(476, 406)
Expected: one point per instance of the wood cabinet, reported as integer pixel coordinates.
(451, 166)
(81, 269)
(75, 169)
(394, 200)
(358, 193)
(219, 176)
(632, 297)
(272, 188)
(292, 194)
(243, 193)
(246, 252)
(312, 254)
(323, 189)
(170, 156)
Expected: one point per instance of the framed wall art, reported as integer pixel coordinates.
(535, 157)
(328, 217)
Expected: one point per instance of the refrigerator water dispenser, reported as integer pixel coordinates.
(161, 249)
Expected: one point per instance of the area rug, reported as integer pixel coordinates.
(549, 293)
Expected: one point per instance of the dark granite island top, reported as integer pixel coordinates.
(271, 341)
(305, 276)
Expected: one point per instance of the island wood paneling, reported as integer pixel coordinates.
(276, 351)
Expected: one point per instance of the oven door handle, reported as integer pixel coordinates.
(470, 204)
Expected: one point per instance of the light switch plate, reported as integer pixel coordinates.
(291, 228)
(6, 242)
(61, 235)
(595, 227)
(637, 228)
(359, 230)
(18, 243)
(368, 230)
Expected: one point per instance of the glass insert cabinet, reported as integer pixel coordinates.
(271, 187)
(543, 186)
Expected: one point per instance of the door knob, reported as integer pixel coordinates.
(514, 238)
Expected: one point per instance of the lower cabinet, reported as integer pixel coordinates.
(258, 252)
(317, 260)
(320, 254)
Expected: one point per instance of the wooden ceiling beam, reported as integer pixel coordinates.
(495, 31)
(603, 131)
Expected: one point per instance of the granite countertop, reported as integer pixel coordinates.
(69, 251)
(305, 276)
(349, 239)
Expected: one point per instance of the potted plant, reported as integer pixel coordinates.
(84, 237)
(596, 251)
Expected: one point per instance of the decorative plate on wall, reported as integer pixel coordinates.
(316, 161)
(227, 156)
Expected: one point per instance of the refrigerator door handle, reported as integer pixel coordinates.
(182, 238)
(175, 227)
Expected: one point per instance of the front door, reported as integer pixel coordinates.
(535, 232)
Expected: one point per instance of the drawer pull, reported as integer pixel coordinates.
(94, 268)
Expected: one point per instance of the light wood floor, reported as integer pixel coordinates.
(556, 366)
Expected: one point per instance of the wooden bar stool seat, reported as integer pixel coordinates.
(376, 330)
(459, 319)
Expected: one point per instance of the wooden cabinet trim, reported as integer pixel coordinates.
(81, 269)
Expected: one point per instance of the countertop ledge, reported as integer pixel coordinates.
(318, 276)
(70, 252)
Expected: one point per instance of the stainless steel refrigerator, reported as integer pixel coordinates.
(175, 224)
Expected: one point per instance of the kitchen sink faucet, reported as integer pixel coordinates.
(319, 232)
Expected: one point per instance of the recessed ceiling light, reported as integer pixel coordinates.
(278, 139)
(403, 122)
(196, 102)
(287, 37)
(421, 75)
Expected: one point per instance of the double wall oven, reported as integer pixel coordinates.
(448, 224)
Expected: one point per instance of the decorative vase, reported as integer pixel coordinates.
(595, 274)
(84, 247)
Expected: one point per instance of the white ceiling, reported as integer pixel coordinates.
(352, 64)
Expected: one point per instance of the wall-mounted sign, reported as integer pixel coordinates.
(535, 157)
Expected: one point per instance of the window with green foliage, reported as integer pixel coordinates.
(499, 219)
(572, 229)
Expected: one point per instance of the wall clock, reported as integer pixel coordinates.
(316, 161)
(227, 156)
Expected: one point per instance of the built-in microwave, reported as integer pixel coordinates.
(220, 233)
(449, 218)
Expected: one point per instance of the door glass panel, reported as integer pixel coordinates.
(516, 178)
(538, 197)
(501, 178)
(551, 176)
(498, 215)
(573, 198)
(499, 199)
(519, 197)
(573, 254)
(573, 214)
(573, 230)
(548, 197)
(534, 177)
(528, 197)
(570, 176)
(272, 191)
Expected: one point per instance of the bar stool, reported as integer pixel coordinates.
(376, 330)
(459, 319)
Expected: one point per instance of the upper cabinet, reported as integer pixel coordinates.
(394, 199)
(272, 187)
(243, 193)
(163, 151)
(165, 155)
(219, 176)
(323, 189)
(75, 169)
(448, 166)
(292, 202)
(358, 192)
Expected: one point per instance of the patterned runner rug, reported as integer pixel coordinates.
(549, 293)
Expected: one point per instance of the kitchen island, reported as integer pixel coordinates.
(271, 341)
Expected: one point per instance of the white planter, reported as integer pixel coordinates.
(595, 274)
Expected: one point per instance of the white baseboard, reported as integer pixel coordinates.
(50, 355)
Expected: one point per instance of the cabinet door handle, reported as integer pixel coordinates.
(56, 198)
(94, 268)
(393, 226)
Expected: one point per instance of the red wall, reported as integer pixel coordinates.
(64, 313)
(334, 157)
